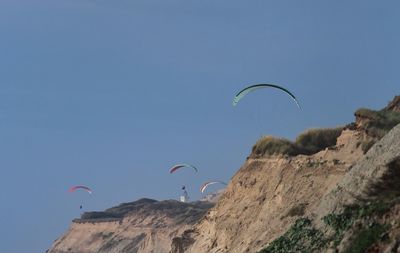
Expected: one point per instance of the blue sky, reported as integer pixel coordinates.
(110, 94)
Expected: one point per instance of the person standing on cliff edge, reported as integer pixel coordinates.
(185, 196)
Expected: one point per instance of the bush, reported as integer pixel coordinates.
(307, 143)
(315, 140)
(342, 222)
(367, 113)
(269, 145)
(301, 237)
(378, 122)
(366, 238)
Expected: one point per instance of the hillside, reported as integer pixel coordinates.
(269, 193)
(142, 226)
(330, 190)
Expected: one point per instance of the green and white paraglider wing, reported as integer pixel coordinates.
(241, 94)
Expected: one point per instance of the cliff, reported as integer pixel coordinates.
(330, 190)
(142, 226)
(268, 194)
(304, 196)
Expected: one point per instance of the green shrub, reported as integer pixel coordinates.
(301, 237)
(342, 222)
(366, 238)
(315, 140)
(269, 145)
(378, 122)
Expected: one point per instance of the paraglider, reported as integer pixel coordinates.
(185, 196)
(206, 184)
(182, 165)
(82, 187)
(251, 88)
(74, 188)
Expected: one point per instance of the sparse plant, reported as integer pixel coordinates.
(301, 237)
(315, 140)
(342, 222)
(269, 145)
(366, 238)
(378, 123)
(307, 143)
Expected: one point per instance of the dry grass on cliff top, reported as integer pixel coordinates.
(378, 122)
(375, 123)
(269, 145)
(307, 143)
(314, 140)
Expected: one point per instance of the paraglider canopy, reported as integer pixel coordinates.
(182, 165)
(74, 188)
(206, 184)
(251, 88)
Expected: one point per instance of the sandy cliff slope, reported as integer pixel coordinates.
(343, 197)
(267, 194)
(142, 226)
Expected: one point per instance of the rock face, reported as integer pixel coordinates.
(268, 194)
(372, 170)
(142, 226)
(344, 195)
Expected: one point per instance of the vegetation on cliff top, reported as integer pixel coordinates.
(308, 142)
(269, 145)
(375, 123)
(378, 123)
(314, 140)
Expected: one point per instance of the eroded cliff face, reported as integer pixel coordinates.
(324, 201)
(268, 194)
(142, 226)
(329, 201)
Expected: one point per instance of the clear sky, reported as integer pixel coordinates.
(110, 94)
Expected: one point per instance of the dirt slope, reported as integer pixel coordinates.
(142, 226)
(270, 195)
(343, 198)
(266, 195)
